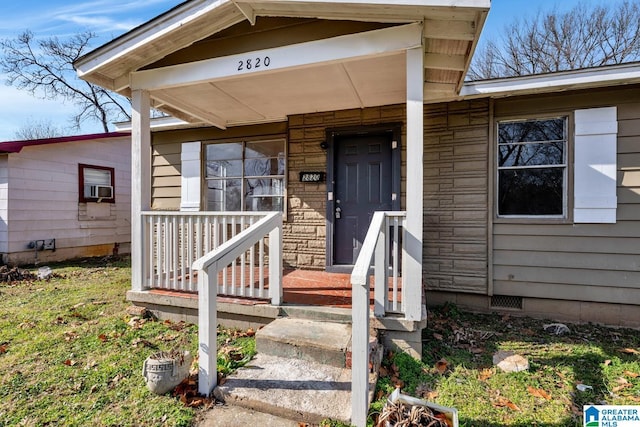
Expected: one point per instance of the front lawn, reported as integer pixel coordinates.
(457, 369)
(70, 355)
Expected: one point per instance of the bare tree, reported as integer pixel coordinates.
(44, 67)
(580, 38)
(38, 129)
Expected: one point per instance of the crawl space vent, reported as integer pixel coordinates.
(504, 301)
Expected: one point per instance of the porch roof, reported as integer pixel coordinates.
(333, 76)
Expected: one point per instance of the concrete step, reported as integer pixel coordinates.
(329, 314)
(322, 342)
(291, 388)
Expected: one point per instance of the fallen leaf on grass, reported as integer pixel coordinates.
(3, 348)
(431, 395)
(187, 391)
(115, 380)
(629, 351)
(442, 365)
(70, 362)
(167, 337)
(501, 402)
(250, 332)
(103, 338)
(607, 362)
(485, 374)
(437, 336)
(27, 325)
(70, 336)
(477, 350)
(59, 321)
(635, 398)
(622, 381)
(383, 372)
(443, 418)
(142, 342)
(631, 374)
(397, 382)
(538, 392)
(136, 322)
(621, 387)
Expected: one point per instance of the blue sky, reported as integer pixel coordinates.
(111, 18)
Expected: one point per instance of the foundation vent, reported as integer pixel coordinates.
(505, 301)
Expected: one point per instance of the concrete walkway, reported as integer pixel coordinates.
(232, 416)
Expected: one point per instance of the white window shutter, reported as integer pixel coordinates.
(595, 173)
(191, 167)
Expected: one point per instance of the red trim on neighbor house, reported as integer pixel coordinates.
(17, 146)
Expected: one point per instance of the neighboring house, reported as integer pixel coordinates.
(518, 195)
(65, 197)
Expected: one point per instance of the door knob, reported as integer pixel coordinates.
(338, 212)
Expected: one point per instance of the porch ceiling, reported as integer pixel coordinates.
(450, 32)
(272, 96)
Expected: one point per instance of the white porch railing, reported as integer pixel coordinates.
(210, 268)
(383, 247)
(175, 240)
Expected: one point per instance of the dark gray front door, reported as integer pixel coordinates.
(363, 185)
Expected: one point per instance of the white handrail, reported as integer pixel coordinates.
(384, 228)
(360, 322)
(208, 268)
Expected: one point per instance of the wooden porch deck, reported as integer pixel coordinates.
(300, 287)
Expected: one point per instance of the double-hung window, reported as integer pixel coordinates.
(532, 168)
(245, 176)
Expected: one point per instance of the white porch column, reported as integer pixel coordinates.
(140, 184)
(412, 256)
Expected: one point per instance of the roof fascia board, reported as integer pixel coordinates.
(597, 77)
(247, 11)
(370, 43)
(178, 17)
(396, 3)
(17, 146)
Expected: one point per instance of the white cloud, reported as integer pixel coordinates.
(98, 24)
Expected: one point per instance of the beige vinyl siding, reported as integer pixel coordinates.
(455, 196)
(268, 32)
(562, 260)
(43, 194)
(165, 176)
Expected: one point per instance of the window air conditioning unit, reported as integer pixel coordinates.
(101, 191)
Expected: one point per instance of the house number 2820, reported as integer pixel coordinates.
(253, 63)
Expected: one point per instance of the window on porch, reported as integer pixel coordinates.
(245, 176)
